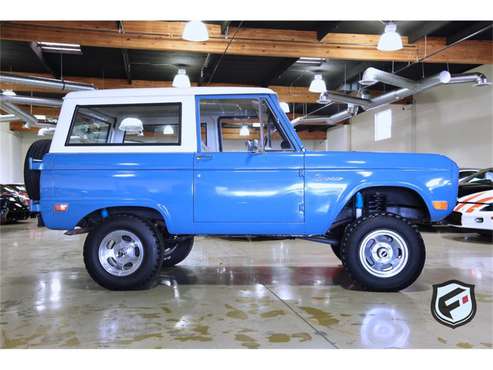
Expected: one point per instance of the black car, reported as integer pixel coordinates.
(480, 181)
(13, 206)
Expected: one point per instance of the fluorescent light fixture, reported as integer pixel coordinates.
(256, 124)
(310, 61)
(244, 131)
(284, 107)
(390, 39)
(168, 130)
(9, 92)
(195, 31)
(181, 79)
(61, 48)
(131, 124)
(41, 117)
(317, 85)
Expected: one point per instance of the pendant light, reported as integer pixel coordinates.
(244, 131)
(195, 31)
(317, 85)
(390, 39)
(181, 79)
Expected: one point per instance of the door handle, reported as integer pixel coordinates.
(201, 157)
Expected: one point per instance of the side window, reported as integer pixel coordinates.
(89, 128)
(129, 124)
(243, 121)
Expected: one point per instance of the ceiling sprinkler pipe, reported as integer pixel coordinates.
(7, 117)
(29, 100)
(47, 83)
(18, 112)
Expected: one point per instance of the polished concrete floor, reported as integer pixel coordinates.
(233, 294)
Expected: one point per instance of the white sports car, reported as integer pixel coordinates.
(474, 211)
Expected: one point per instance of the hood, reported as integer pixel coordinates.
(377, 160)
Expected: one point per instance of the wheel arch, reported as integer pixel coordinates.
(97, 216)
(402, 199)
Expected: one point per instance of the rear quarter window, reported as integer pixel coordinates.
(150, 124)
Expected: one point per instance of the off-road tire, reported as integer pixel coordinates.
(153, 253)
(176, 250)
(354, 235)
(37, 150)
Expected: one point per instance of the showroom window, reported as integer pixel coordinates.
(130, 124)
(383, 125)
(240, 121)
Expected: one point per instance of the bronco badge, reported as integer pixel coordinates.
(453, 303)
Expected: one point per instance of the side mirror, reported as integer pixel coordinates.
(252, 145)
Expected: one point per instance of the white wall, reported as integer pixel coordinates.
(363, 131)
(10, 154)
(338, 138)
(13, 148)
(456, 121)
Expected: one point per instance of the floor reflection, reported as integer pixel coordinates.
(384, 328)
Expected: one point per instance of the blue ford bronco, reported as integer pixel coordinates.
(143, 171)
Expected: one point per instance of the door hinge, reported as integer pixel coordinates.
(301, 172)
(301, 207)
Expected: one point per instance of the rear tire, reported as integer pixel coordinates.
(176, 250)
(123, 253)
(37, 150)
(383, 252)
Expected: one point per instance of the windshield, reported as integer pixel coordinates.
(482, 177)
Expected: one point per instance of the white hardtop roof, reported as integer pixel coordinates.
(167, 91)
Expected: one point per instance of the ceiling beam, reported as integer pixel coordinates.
(325, 28)
(166, 36)
(335, 46)
(477, 27)
(293, 94)
(424, 29)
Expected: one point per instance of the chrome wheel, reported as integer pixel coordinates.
(121, 253)
(383, 253)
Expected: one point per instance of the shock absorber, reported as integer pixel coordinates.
(359, 205)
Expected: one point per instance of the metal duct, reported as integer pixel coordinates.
(443, 78)
(343, 98)
(372, 76)
(48, 83)
(7, 117)
(12, 109)
(479, 79)
(329, 121)
(29, 100)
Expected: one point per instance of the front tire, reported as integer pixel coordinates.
(123, 253)
(383, 252)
